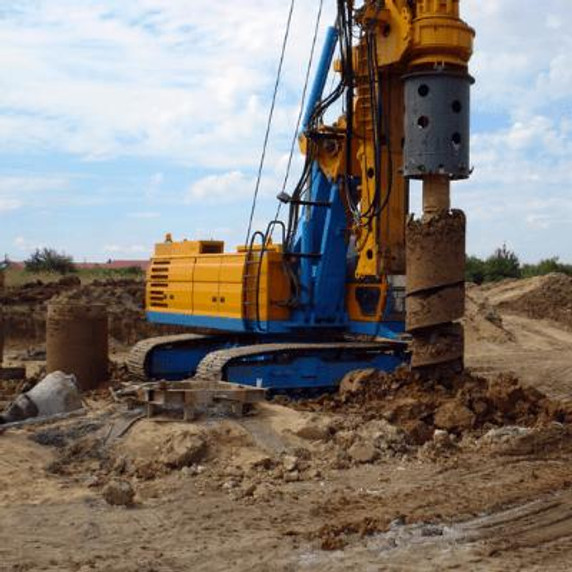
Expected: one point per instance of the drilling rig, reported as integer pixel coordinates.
(348, 280)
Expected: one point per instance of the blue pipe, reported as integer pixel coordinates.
(324, 66)
(307, 245)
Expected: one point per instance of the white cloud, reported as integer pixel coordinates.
(32, 184)
(520, 56)
(125, 249)
(17, 192)
(225, 188)
(26, 245)
(148, 77)
(553, 21)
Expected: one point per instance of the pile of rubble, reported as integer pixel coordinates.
(457, 404)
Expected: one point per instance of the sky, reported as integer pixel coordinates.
(122, 120)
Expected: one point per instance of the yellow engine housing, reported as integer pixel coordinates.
(197, 278)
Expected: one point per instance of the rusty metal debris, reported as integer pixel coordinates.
(192, 397)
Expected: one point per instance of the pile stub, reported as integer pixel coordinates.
(77, 341)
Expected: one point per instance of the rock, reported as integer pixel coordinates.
(230, 484)
(148, 470)
(454, 416)
(264, 463)
(363, 452)
(292, 477)
(277, 473)
(345, 439)
(119, 493)
(355, 381)
(431, 530)
(441, 446)
(290, 463)
(188, 471)
(235, 472)
(314, 474)
(441, 438)
(92, 482)
(504, 434)
(248, 490)
(120, 465)
(183, 450)
(263, 492)
(418, 431)
(315, 429)
(381, 430)
(397, 523)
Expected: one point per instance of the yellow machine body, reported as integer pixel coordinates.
(199, 278)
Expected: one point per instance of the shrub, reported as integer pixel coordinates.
(504, 263)
(546, 266)
(475, 270)
(49, 260)
(135, 271)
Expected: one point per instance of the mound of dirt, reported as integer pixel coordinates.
(25, 308)
(457, 405)
(544, 297)
(482, 320)
(126, 295)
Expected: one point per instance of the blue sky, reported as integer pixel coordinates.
(121, 121)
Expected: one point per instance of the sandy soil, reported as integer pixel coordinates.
(539, 351)
(288, 489)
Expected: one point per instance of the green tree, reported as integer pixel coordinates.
(546, 266)
(474, 270)
(49, 260)
(504, 263)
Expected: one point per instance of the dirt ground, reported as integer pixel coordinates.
(354, 482)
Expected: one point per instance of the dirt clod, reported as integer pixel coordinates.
(183, 449)
(362, 452)
(119, 493)
(454, 416)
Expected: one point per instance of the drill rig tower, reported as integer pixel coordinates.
(327, 297)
